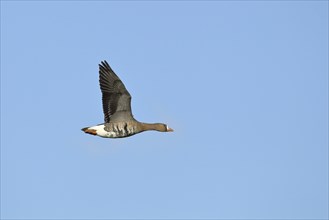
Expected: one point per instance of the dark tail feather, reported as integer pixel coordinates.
(89, 131)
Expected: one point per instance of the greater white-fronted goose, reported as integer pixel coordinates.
(119, 120)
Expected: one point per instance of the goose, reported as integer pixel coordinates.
(119, 121)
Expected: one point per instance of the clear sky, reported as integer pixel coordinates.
(243, 83)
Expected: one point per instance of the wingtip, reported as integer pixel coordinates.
(104, 63)
(104, 66)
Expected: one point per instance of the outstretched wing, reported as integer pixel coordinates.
(116, 99)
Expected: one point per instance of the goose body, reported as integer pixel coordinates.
(118, 119)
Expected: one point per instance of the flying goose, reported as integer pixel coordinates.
(119, 120)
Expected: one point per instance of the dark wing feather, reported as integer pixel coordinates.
(116, 99)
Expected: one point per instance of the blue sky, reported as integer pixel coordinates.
(243, 83)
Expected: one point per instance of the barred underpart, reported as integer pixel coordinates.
(122, 129)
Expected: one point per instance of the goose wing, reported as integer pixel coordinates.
(115, 97)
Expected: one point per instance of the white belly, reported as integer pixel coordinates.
(102, 133)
